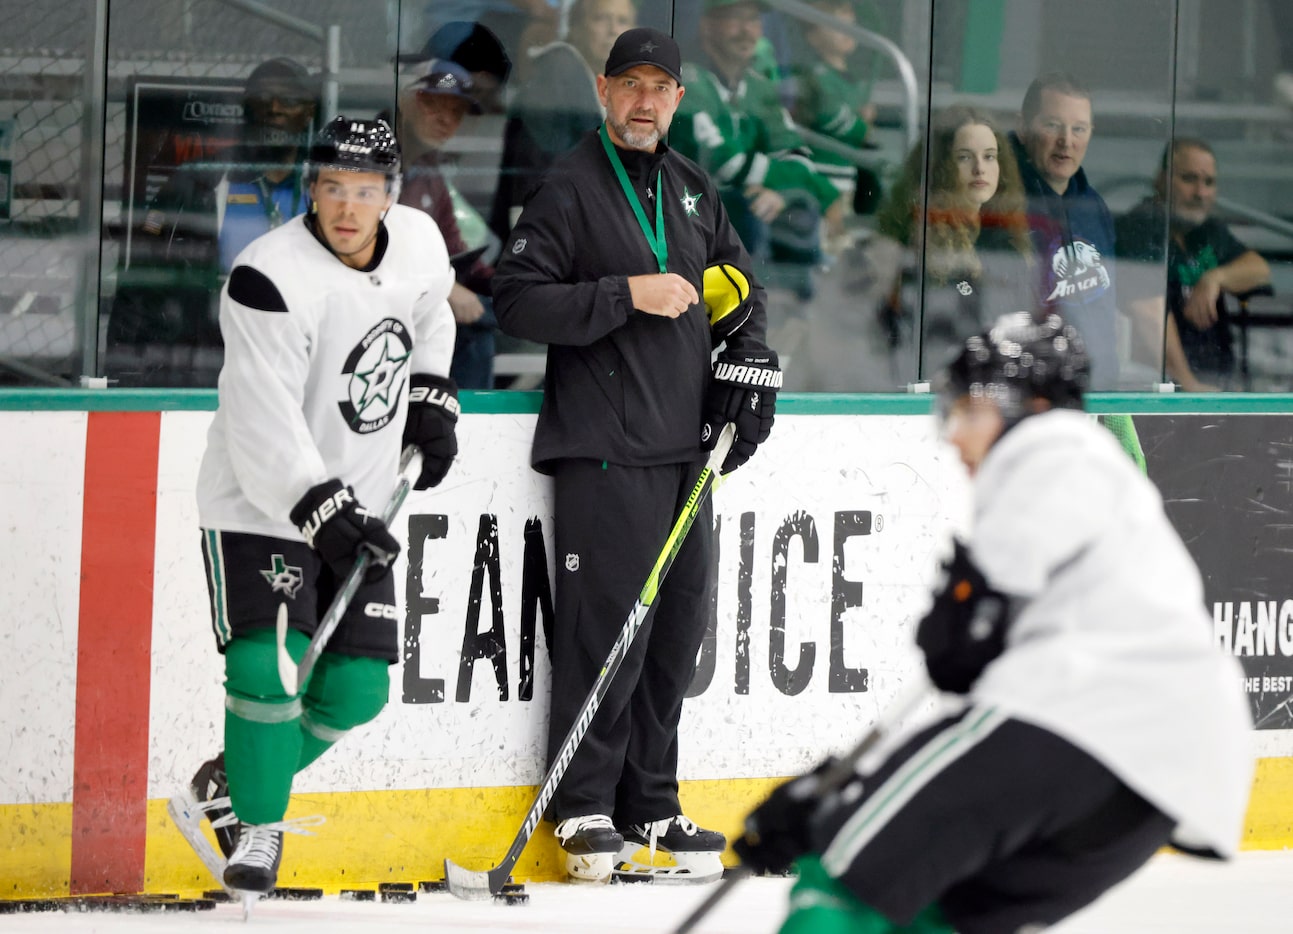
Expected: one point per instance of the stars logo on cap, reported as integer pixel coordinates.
(648, 47)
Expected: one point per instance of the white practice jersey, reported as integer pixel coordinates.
(1113, 648)
(316, 389)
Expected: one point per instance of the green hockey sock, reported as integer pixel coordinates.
(344, 692)
(821, 904)
(262, 731)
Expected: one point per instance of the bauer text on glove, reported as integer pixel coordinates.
(431, 425)
(743, 391)
(339, 528)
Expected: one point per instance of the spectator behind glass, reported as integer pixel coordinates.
(731, 121)
(476, 48)
(978, 256)
(1071, 225)
(1204, 261)
(557, 102)
(432, 109)
(163, 329)
(831, 101)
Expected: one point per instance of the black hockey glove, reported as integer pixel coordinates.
(433, 416)
(743, 391)
(966, 627)
(779, 830)
(338, 527)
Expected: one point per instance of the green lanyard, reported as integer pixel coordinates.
(272, 212)
(654, 239)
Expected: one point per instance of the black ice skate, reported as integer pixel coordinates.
(207, 798)
(691, 854)
(590, 842)
(253, 867)
(210, 787)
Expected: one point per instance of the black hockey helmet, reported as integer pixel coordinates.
(1022, 357)
(356, 146)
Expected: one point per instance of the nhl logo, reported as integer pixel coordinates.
(572, 562)
(519, 245)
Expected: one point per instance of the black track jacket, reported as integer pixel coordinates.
(621, 386)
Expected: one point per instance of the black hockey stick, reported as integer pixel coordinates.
(832, 778)
(290, 673)
(479, 885)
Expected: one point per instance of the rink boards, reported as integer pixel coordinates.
(113, 692)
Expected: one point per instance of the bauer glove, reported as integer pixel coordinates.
(336, 526)
(744, 392)
(966, 627)
(433, 417)
(779, 830)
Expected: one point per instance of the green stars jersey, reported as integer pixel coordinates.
(743, 136)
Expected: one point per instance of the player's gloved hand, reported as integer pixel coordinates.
(966, 627)
(779, 830)
(338, 527)
(433, 417)
(743, 391)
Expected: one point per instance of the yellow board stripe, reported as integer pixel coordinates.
(405, 836)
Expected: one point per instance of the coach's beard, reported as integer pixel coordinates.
(634, 138)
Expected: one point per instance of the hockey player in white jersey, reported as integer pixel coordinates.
(1098, 723)
(338, 337)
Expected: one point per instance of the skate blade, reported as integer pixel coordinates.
(637, 864)
(188, 818)
(590, 867)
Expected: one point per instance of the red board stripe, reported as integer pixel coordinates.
(114, 645)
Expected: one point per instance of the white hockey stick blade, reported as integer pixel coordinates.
(188, 819)
(287, 670)
(465, 884)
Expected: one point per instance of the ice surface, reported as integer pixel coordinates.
(1172, 894)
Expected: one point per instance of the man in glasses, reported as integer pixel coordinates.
(338, 339)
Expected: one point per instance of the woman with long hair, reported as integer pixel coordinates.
(971, 223)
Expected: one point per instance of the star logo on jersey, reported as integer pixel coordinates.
(283, 577)
(380, 378)
(688, 201)
(376, 372)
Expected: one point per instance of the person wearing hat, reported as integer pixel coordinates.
(734, 125)
(433, 107)
(607, 265)
(162, 330)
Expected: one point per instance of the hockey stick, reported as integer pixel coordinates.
(479, 885)
(832, 778)
(290, 673)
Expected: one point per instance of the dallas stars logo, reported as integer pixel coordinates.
(376, 372)
(379, 379)
(283, 578)
(688, 201)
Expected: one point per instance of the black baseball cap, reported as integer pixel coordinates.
(645, 46)
(450, 79)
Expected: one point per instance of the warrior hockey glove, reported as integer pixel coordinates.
(338, 528)
(743, 391)
(966, 627)
(779, 830)
(433, 416)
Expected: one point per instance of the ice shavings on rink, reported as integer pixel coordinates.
(1172, 895)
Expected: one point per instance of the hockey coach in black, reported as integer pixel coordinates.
(625, 264)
